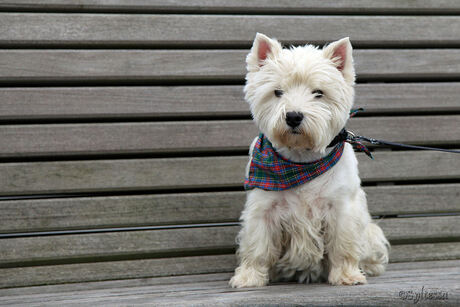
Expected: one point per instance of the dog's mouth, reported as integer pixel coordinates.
(294, 131)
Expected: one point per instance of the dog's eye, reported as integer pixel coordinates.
(317, 93)
(278, 93)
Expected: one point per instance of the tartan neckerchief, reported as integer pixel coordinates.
(269, 171)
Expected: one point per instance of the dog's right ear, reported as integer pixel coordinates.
(263, 48)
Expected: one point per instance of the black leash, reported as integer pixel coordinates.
(373, 141)
(356, 140)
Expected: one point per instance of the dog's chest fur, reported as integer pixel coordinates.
(307, 214)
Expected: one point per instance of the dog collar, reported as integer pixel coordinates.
(269, 171)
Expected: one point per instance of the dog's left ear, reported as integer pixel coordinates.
(340, 53)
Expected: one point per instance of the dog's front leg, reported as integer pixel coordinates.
(259, 241)
(345, 244)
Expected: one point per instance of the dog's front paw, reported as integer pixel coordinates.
(341, 279)
(246, 277)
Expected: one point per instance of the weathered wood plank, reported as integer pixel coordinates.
(142, 174)
(24, 140)
(170, 283)
(119, 211)
(381, 291)
(96, 271)
(159, 101)
(413, 199)
(14, 251)
(128, 269)
(128, 244)
(421, 228)
(204, 65)
(205, 101)
(25, 29)
(239, 6)
(193, 208)
(425, 252)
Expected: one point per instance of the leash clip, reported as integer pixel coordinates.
(355, 140)
(351, 136)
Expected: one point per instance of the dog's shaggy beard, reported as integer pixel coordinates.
(314, 133)
(311, 134)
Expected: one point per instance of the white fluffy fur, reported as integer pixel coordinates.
(320, 230)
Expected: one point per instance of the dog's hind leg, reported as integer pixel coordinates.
(376, 255)
(259, 240)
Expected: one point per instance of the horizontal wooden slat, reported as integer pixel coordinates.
(61, 247)
(413, 199)
(128, 244)
(425, 252)
(84, 272)
(124, 102)
(14, 277)
(241, 6)
(118, 211)
(54, 139)
(437, 277)
(192, 208)
(206, 30)
(210, 101)
(204, 65)
(439, 280)
(384, 290)
(165, 283)
(141, 174)
(421, 228)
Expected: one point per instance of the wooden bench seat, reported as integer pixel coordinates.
(213, 290)
(124, 138)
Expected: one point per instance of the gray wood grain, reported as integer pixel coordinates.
(25, 29)
(158, 101)
(14, 251)
(204, 265)
(168, 283)
(205, 65)
(424, 252)
(193, 208)
(421, 228)
(188, 136)
(119, 211)
(206, 101)
(136, 174)
(239, 6)
(152, 243)
(413, 199)
(381, 291)
(96, 271)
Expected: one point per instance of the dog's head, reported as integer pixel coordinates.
(300, 97)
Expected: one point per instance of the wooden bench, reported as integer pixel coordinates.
(124, 137)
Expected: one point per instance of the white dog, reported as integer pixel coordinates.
(311, 226)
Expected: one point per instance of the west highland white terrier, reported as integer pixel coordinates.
(306, 216)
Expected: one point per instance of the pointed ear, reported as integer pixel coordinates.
(262, 48)
(340, 53)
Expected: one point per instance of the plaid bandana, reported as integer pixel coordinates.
(269, 171)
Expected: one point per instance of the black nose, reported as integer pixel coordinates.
(293, 119)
